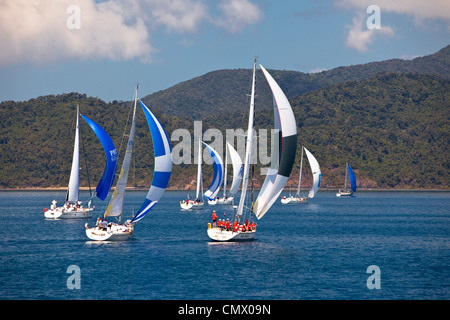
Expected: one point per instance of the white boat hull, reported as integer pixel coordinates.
(344, 194)
(219, 234)
(228, 200)
(61, 213)
(191, 205)
(116, 232)
(294, 200)
(212, 202)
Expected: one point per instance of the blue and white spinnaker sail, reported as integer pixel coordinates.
(163, 164)
(109, 173)
(214, 188)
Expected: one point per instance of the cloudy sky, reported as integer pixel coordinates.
(103, 47)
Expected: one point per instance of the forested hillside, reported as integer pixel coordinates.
(392, 127)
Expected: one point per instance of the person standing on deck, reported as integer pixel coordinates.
(214, 218)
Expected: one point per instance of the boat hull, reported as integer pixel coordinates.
(61, 213)
(228, 200)
(113, 233)
(294, 200)
(219, 234)
(344, 194)
(191, 205)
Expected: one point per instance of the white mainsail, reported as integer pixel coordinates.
(72, 190)
(116, 204)
(317, 175)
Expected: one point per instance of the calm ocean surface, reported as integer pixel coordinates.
(319, 250)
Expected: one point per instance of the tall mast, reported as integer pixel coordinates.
(300, 175)
(199, 167)
(248, 151)
(346, 170)
(225, 175)
(115, 207)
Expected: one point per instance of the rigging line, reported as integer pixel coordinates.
(87, 168)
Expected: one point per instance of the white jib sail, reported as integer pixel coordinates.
(237, 169)
(72, 191)
(317, 175)
(116, 204)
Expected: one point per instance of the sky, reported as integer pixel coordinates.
(103, 48)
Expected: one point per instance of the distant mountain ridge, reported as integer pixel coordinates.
(225, 90)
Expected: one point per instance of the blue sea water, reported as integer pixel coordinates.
(320, 250)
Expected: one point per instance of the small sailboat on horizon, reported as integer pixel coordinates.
(317, 177)
(198, 202)
(73, 208)
(282, 160)
(351, 175)
(112, 231)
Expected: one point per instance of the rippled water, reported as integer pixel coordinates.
(319, 250)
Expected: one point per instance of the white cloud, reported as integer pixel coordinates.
(238, 14)
(359, 37)
(176, 15)
(36, 31)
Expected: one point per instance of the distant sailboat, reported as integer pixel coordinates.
(317, 177)
(162, 170)
(73, 207)
(346, 192)
(196, 203)
(277, 175)
(237, 176)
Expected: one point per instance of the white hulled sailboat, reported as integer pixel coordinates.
(317, 177)
(277, 175)
(73, 208)
(113, 231)
(346, 192)
(196, 203)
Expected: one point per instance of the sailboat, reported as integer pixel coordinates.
(317, 177)
(346, 192)
(237, 175)
(277, 175)
(162, 170)
(196, 203)
(73, 207)
(213, 189)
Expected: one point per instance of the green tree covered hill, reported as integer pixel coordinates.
(392, 126)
